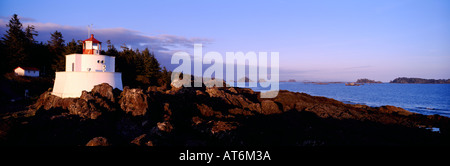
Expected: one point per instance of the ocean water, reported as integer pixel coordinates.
(428, 99)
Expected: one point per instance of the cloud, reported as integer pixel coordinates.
(358, 67)
(163, 45)
(120, 36)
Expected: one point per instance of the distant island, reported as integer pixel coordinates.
(290, 80)
(352, 84)
(362, 81)
(367, 81)
(405, 80)
(317, 83)
(245, 79)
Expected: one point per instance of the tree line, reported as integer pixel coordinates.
(18, 47)
(406, 80)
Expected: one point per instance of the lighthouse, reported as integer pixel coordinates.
(92, 46)
(84, 71)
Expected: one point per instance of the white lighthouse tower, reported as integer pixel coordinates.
(84, 71)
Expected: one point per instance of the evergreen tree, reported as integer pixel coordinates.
(56, 47)
(14, 43)
(125, 63)
(42, 59)
(17, 47)
(112, 51)
(73, 47)
(32, 57)
(109, 45)
(30, 32)
(152, 67)
(165, 78)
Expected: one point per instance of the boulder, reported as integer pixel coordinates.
(167, 112)
(208, 111)
(269, 107)
(46, 101)
(86, 96)
(240, 111)
(221, 126)
(142, 140)
(392, 109)
(197, 120)
(236, 100)
(83, 109)
(104, 90)
(232, 90)
(215, 92)
(98, 141)
(134, 101)
(165, 126)
(214, 116)
(75, 106)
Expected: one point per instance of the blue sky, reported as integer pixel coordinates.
(317, 40)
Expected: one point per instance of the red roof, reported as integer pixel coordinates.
(28, 68)
(92, 39)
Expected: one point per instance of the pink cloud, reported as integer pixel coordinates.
(162, 44)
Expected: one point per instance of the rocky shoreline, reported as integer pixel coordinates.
(213, 117)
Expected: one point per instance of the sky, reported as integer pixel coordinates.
(320, 40)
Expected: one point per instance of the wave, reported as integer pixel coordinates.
(420, 110)
(428, 108)
(351, 102)
(430, 111)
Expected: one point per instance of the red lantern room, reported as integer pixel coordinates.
(92, 46)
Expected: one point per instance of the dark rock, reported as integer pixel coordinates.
(156, 89)
(86, 96)
(75, 106)
(167, 112)
(46, 101)
(353, 84)
(165, 126)
(232, 90)
(269, 107)
(208, 111)
(98, 141)
(134, 101)
(240, 111)
(197, 120)
(142, 140)
(214, 116)
(104, 90)
(83, 109)
(236, 100)
(392, 109)
(221, 126)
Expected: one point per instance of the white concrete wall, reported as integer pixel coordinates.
(71, 84)
(82, 62)
(91, 61)
(69, 60)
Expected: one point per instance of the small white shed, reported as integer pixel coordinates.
(27, 71)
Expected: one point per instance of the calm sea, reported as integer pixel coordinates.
(428, 99)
